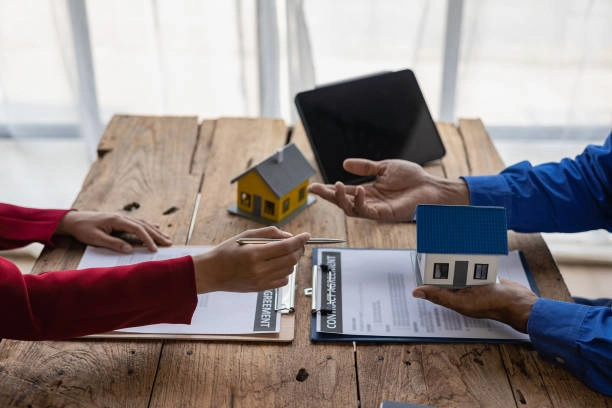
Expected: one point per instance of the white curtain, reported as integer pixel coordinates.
(522, 64)
(66, 66)
(37, 70)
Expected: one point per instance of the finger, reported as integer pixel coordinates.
(434, 294)
(343, 200)
(102, 239)
(328, 191)
(280, 283)
(360, 208)
(362, 167)
(153, 226)
(325, 191)
(132, 226)
(316, 187)
(282, 265)
(266, 232)
(158, 236)
(277, 283)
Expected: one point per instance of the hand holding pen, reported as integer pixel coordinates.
(249, 268)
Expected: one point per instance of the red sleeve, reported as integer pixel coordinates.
(20, 226)
(65, 304)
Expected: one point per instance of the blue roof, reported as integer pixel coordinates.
(461, 229)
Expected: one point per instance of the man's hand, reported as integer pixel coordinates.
(399, 186)
(249, 268)
(507, 301)
(97, 228)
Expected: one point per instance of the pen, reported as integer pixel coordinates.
(243, 241)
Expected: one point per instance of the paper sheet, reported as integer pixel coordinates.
(216, 312)
(371, 292)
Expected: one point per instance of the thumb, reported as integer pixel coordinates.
(362, 167)
(428, 292)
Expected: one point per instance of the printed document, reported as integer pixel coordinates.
(216, 312)
(368, 292)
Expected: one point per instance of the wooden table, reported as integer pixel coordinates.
(163, 162)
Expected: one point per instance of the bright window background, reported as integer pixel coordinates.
(522, 64)
(531, 64)
(538, 73)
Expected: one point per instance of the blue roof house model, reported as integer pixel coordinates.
(459, 245)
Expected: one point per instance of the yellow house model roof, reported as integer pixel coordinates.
(283, 170)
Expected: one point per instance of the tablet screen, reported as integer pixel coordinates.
(381, 116)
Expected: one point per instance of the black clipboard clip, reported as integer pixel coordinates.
(318, 292)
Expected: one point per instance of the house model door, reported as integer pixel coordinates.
(257, 205)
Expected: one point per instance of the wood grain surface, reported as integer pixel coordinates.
(162, 164)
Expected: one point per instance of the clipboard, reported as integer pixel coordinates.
(284, 307)
(320, 303)
(286, 334)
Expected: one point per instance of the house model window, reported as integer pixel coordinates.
(245, 199)
(269, 207)
(275, 189)
(440, 271)
(459, 245)
(481, 271)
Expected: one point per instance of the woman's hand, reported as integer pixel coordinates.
(98, 228)
(233, 267)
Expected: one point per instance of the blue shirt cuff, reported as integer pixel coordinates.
(556, 338)
(490, 190)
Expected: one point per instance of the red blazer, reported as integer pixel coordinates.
(65, 304)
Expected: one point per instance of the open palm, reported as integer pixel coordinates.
(394, 194)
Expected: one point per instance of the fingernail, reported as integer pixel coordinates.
(419, 294)
(126, 248)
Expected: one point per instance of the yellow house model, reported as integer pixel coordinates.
(275, 189)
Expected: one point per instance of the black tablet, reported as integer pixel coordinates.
(377, 117)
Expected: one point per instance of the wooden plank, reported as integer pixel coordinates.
(109, 139)
(77, 373)
(149, 169)
(482, 156)
(535, 382)
(455, 163)
(109, 372)
(466, 375)
(200, 156)
(254, 374)
(236, 145)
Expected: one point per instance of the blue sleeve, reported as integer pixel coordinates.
(568, 196)
(577, 337)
